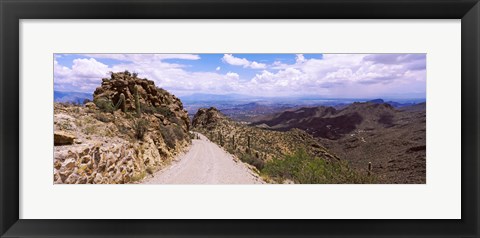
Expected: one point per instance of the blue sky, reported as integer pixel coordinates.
(275, 75)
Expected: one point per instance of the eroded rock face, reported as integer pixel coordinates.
(107, 163)
(119, 145)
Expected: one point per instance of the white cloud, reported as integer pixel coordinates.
(84, 76)
(343, 75)
(300, 58)
(233, 76)
(232, 60)
(144, 57)
(335, 75)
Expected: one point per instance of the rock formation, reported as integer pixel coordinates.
(207, 117)
(139, 94)
(131, 130)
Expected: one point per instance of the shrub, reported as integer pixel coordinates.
(104, 104)
(179, 133)
(165, 111)
(122, 129)
(257, 162)
(101, 117)
(305, 169)
(140, 127)
(168, 136)
(147, 108)
(160, 110)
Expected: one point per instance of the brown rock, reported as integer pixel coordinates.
(72, 178)
(98, 178)
(62, 138)
(69, 164)
(82, 180)
(85, 159)
(90, 105)
(57, 164)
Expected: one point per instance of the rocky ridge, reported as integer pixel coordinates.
(130, 130)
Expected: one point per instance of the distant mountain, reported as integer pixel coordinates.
(395, 103)
(203, 97)
(392, 139)
(331, 123)
(376, 101)
(72, 97)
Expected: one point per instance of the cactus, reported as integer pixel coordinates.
(369, 168)
(248, 150)
(120, 103)
(233, 141)
(220, 139)
(137, 101)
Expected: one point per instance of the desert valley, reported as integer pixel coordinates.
(129, 130)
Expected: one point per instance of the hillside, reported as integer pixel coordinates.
(262, 148)
(131, 129)
(393, 140)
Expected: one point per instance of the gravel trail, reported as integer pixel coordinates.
(205, 163)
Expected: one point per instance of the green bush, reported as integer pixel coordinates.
(148, 109)
(104, 104)
(168, 136)
(257, 162)
(160, 110)
(165, 111)
(179, 133)
(305, 169)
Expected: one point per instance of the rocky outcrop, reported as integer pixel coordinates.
(106, 164)
(124, 135)
(139, 93)
(207, 117)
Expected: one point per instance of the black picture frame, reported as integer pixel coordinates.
(12, 11)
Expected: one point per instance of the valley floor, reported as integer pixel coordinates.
(205, 163)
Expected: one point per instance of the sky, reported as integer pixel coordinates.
(266, 75)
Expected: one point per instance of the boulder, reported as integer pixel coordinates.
(63, 138)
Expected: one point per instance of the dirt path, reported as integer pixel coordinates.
(205, 163)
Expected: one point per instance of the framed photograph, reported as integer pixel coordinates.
(239, 118)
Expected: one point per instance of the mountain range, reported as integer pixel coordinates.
(392, 139)
(71, 97)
